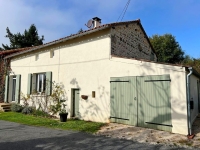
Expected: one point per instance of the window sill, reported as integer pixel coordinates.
(38, 94)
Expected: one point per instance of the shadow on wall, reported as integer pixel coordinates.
(75, 83)
(42, 102)
(94, 109)
(153, 111)
(155, 106)
(90, 108)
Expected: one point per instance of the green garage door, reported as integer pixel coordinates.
(142, 101)
(154, 105)
(123, 102)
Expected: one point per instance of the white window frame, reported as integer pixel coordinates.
(40, 82)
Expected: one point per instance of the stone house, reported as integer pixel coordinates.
(110, 74)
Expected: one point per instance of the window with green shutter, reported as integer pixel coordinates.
(12, 88)
(18, 88)
(40, 83)
(6, 89)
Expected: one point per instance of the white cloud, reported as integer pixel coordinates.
(56, 19)
(52, 19)
(18, 15)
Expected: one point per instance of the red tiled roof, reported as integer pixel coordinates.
(72, 36)
(8, 52)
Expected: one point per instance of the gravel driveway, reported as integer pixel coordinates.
(14, 136)
(145, 135)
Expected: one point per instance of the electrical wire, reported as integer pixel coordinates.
(124, 10)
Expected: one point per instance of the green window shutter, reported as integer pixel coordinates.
(10, 89)
(18, 88)
(48, 83)
(33, 83)
(6, 89)
(29, 86)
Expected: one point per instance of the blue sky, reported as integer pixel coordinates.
(59, 18)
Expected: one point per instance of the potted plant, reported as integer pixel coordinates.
(63, 113)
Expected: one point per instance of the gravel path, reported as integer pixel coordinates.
(145, 135)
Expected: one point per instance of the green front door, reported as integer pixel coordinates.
(75, 103)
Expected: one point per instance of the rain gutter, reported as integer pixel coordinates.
(188, 103)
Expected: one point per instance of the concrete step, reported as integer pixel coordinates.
(5, 104)
(5, 107)
(6, 110)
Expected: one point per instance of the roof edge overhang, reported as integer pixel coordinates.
(178, 65)
(59, 41)
(9, 52)
(194, 72)
(73, 36)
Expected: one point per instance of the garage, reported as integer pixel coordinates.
(141, 101)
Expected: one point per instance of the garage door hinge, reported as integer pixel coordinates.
(119, 81)
(119, 118)
(155, 80)
(159, 124)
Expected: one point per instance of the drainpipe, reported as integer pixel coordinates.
(188, 101)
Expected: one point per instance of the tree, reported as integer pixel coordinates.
(28, 39)
(167, 48)
(81, 30)
(193, 62)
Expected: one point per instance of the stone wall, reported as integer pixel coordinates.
(2, 79)
(3, 72)
(130, 41)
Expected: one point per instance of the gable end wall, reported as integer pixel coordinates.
(130, 41)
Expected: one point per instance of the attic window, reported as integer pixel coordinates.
(51, 54)
(113, 38)
(139, 47)
(36, 57)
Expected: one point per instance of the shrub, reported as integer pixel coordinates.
(27, 110)
(58, 98)
(16, 107)
(40, 113)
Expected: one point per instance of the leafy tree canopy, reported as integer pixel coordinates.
(193, 62)
(167, 48)
(28, 39)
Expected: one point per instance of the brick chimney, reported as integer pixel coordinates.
(96, 22)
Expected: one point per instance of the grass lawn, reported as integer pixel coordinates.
(78, 125)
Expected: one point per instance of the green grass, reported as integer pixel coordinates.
(78, 125)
